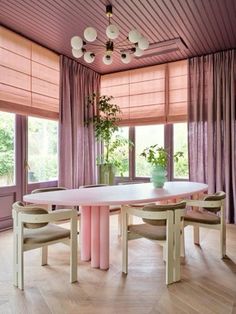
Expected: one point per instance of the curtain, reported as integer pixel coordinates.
(212, 124)
(77, 147)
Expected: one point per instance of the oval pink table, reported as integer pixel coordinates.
(95, 203)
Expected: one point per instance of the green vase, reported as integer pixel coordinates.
(158, 176)
(106, 174)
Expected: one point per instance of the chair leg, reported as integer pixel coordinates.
(169, 249)
(15, 259)
(177, 245)
(73, 250)
(124, 243)
(20, 268)
(119, 225)
(196, 235)
(182, 241)
(44, 256)
(223, 240)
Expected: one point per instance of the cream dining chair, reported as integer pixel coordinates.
(33, 228)
(210, 214)
(161, 223)
(48, 189)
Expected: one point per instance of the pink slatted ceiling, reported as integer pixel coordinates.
(156, 94)
(29, 76)
(206, 26)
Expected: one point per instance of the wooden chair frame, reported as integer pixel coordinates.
(20, 218)
(196, 225)
(172, 243)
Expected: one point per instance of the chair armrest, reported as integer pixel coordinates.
(139, 212)
(50, 217)
(201, 203)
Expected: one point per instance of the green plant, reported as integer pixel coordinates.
(158, 156)
(105, 125)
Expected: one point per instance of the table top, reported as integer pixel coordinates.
(117, 194)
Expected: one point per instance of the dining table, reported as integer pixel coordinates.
(94, 209)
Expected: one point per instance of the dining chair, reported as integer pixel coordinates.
(210, 214)
(114, 210)
(48, 189)
(161, 223)
(33, 228)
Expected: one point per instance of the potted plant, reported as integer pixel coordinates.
(158, 157)
(105, 125)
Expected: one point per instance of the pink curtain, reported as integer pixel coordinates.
(77, 147)
(212, 124)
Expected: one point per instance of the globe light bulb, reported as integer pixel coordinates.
(77, 53)
(107, 59)
(90, 34)
(76, 42)
(126, 57)
(134, 36)
(112, 31)
(89, 57)
(138, 52)
(143, 43)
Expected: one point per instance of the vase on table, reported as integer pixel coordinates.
(158, 176)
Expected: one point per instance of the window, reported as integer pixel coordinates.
(121, 154)
(7, 149)
(180, 132)
(42, 150)
(144, 137)
(171, 136)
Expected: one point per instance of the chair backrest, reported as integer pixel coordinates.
(218, 196)
(49, 189)
(92, 186)
(19, 207)
(161, 208)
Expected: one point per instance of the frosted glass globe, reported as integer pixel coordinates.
(89, 57)
(126, 57)
(77, 53)
(138, 52)
(76, 42)
(90, 34)
(107, 59)
(134, 36)
(143, 43)
(112, 31)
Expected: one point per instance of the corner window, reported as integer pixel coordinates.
(180, 139)
(42, 150)
(7, 149)
(145, 136)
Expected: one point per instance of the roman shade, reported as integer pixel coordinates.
(29, 77)
(156, 94)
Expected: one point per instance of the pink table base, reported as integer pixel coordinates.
(95, 235)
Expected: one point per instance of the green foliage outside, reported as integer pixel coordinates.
(6, 148)
(42, 150)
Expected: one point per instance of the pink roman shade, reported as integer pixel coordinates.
(156, 94)
(29, 77)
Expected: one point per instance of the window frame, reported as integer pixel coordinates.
(168, 144)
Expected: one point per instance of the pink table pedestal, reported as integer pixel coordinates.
(95, 235)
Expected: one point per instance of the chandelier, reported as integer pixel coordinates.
(133, 45)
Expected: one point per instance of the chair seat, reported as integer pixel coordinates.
(149, 231)
(201, 217)
(48, 233)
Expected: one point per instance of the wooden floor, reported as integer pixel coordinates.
(208, 283)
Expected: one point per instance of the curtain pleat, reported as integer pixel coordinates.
(212, 124)
(77, 161)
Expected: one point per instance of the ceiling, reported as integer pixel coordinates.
(205, 26)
